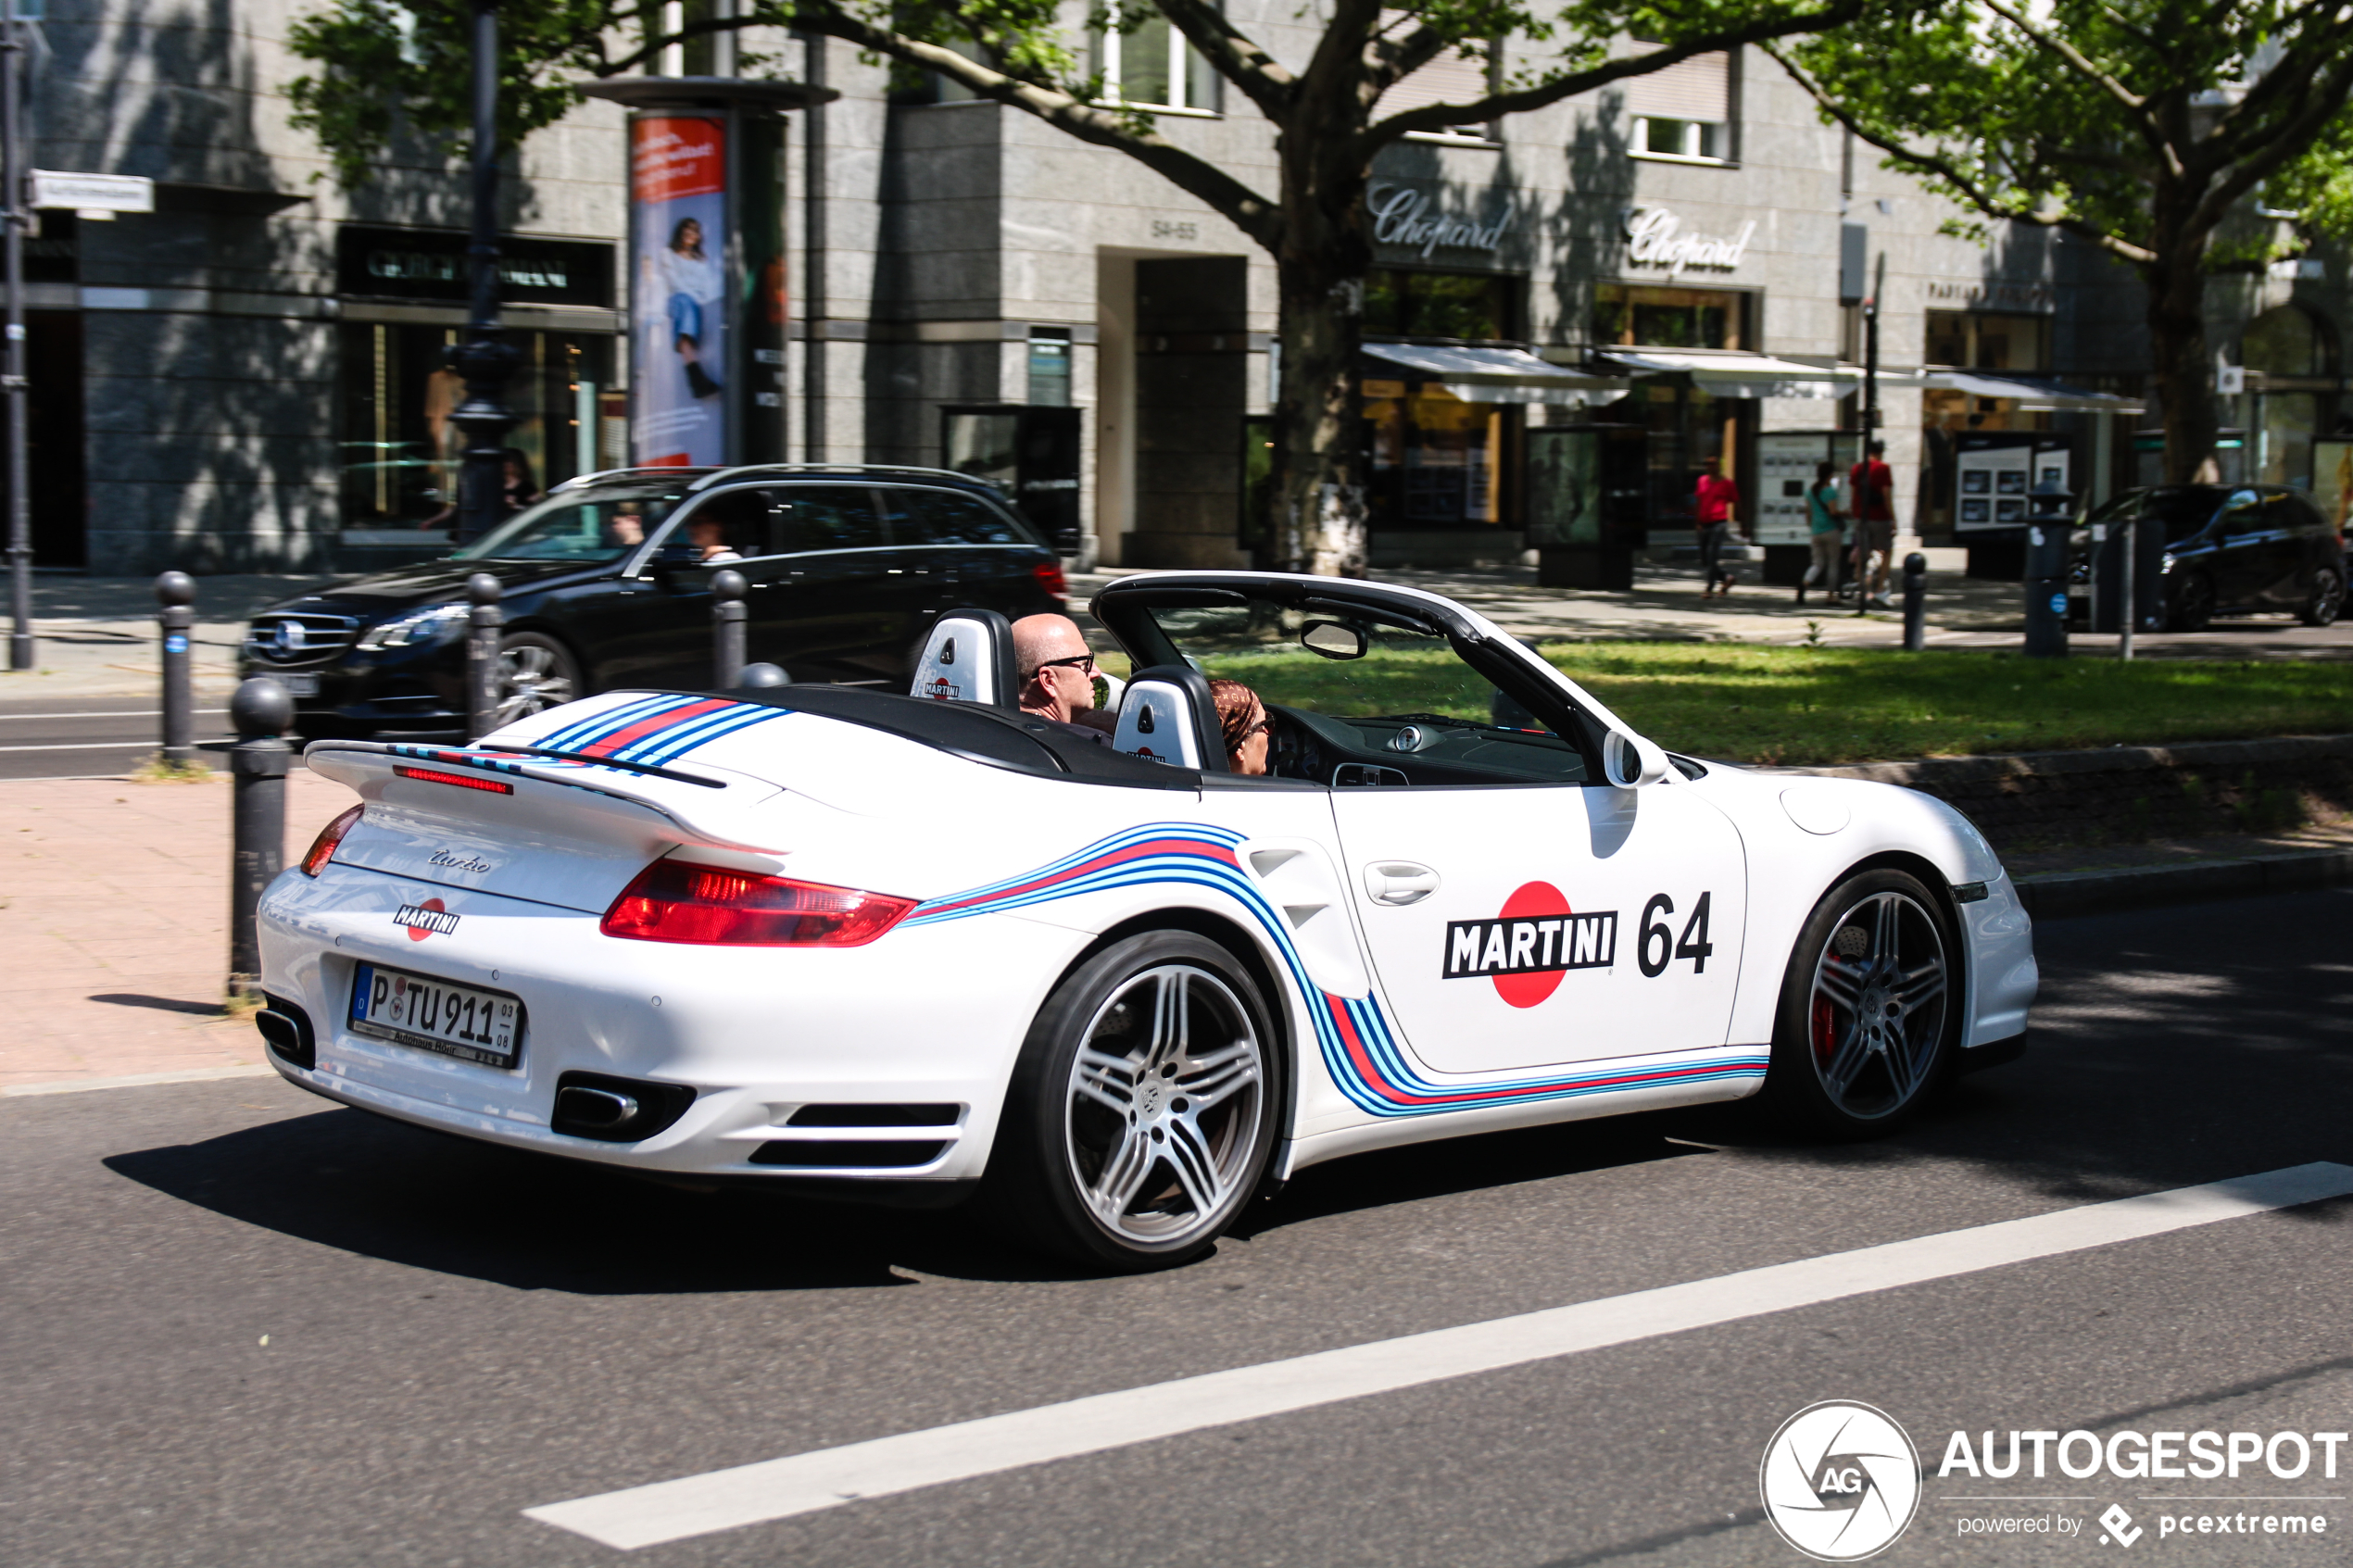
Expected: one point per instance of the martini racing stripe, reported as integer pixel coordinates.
(659, 728)
(1354, 1036)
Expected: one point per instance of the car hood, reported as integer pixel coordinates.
(434, 582)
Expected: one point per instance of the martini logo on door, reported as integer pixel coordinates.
(1537, 939)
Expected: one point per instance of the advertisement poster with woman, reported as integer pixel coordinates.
(678, 200)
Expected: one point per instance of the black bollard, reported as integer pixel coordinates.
(727, 589)
(1914, 602)
(261, 710)
(757, 677)
(176, 591)
(2046, 552)
(482, 655)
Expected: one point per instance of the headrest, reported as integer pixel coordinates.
(968, 658)
(1167, 715)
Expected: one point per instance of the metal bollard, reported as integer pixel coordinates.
(2046, 590)
(176, 591)
(758, 677)
(482, 655)
(727, 589)
(1914, 602)
(262, 709)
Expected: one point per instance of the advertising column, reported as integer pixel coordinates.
(678, 241)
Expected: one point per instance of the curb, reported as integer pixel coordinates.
(2057, 894)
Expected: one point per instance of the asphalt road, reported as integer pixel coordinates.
(91, 737)
(454, 1334)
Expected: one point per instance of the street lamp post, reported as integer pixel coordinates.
(485, 359)
(12, 366)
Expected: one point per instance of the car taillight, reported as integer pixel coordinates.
(676, 901)
(1050, 577)
(322, 849)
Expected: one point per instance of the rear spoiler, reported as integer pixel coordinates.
(701, 805)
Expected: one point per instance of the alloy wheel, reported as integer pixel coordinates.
(1878, 1005)
(2327, 599)
(2194, 604)
(1165, 1096)
(532, 677)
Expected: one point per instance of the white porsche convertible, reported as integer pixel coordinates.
(918, 950)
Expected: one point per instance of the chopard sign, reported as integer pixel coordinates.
(1401, 217)
(1654, 238)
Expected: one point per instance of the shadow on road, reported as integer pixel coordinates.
(2171, 1047)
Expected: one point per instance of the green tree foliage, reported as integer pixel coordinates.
(2145, 127)
(383, 69)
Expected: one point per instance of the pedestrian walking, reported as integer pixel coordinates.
(1874, 487)
(1825, 531)
(1715, 513)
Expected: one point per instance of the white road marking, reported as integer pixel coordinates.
(777, 1488)
(139, 1080)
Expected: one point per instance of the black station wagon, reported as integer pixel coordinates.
(608, 583)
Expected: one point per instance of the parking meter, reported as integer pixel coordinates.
(2050, 518)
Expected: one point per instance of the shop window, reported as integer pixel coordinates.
(1455, 76)
(1470, 306)
(1153, 66)
(1980, 341)
(1684, 112)
(401, 450)
(1438, 462)
(1636, 315)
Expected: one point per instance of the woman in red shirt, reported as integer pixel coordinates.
(1715, 502)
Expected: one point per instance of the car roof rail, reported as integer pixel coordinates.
(746, 471)
(578, 480)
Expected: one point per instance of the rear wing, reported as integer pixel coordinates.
(694, 802)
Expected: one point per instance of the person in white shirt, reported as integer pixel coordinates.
(693, 281)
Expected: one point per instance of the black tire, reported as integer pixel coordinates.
(535, 672)
(1869, 1018)
(2325, 598)
(2193, 606)
(1158, 1190)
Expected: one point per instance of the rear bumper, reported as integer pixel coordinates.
(928, 1017)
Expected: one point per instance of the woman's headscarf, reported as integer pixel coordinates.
(1239, 713)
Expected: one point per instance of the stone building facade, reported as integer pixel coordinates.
(1606, 294)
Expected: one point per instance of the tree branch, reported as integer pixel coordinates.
(2076, 60)
(1249, 212)
(1233, 55)
(1967, 186)
(1494, 105)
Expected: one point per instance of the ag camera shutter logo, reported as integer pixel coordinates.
(1840, 1481)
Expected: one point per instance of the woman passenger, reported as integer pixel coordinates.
(1243, 720)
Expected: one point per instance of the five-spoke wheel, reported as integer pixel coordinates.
(1139, 1118)
(1867, 1008)
(536, 673)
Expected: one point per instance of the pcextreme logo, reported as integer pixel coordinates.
(1840, 1480)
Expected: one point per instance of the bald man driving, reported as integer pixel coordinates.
(1057, 676)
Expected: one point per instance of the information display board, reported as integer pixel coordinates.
(1785, 465)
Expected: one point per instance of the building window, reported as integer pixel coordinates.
(1683, 113)
(1638, 315)
(1455, 76)
(1152, 67)
(1050, 368)
(1468, 307)
(1977, 340)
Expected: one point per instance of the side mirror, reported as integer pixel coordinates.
(1332, 639)
(1632, 762)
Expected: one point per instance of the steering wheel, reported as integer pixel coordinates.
(1292, 751)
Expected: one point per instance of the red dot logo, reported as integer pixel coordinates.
(419, 933)
(1532, 900)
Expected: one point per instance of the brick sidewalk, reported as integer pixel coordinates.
(114, 922)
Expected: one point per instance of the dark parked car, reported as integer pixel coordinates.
(2232, 547)
(607, 584)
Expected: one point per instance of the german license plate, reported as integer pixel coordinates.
(432, 1015)
(299, 686)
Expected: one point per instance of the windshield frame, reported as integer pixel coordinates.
(626, 561)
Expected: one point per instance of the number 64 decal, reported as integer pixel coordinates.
(1692, 944)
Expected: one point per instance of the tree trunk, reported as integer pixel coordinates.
(2184, 370)
(1318, 489)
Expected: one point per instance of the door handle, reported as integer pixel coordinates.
(1399, 883)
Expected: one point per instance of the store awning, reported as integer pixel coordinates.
(2031, 397)
(1494, 375)
(1730, 374)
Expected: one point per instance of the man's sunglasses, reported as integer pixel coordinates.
(1085, 661)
